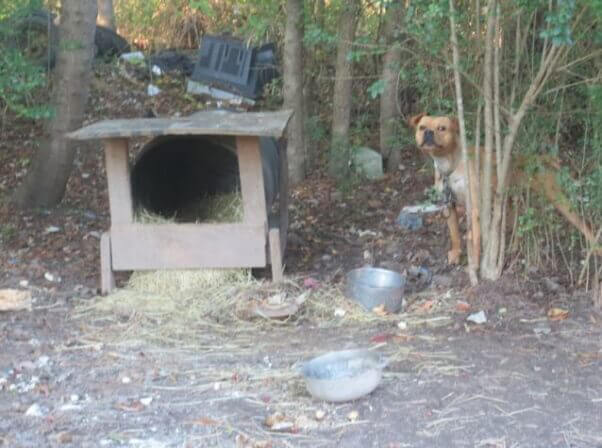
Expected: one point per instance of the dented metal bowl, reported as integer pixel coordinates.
(375, 287)
(343, 375)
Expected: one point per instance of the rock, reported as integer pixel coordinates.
(367, 162)
(409, 221)
(444, 281)
(551, 284)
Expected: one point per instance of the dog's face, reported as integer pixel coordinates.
(435, 136)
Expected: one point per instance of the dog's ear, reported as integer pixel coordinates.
(413, 121)
(455, 124)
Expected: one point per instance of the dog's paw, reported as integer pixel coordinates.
(453, 256)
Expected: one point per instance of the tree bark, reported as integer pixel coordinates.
(106, 14)
(472, 210)
(45, 184)
(293, 89)
(389, 116)
(341, 114)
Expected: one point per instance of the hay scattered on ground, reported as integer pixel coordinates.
(190, 307)
(191, 311)
(172, 283)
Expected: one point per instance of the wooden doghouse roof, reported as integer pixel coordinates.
(216, 122)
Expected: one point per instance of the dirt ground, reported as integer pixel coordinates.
(520, 379)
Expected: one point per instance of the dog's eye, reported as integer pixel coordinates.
(422, 128)
(441, 128)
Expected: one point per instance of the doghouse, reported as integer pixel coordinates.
(187, 156)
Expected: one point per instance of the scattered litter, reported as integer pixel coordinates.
(126, 380)
(542, 330)
(52, 229)
(353, 416)
(477, 318)
(34, 411)
(502, 311)
(70, 407)
(134, 56)
(402, 325)
(146, 401)
(319, 415)
(157, 70)
(50, 277)
(15, 300)
(23, 283)
(339, 312)
(152, 90)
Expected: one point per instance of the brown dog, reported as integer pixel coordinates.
(438, 137)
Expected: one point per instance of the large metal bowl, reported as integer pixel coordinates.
(373, 287)
(343, 375)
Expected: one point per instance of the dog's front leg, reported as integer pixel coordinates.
(453, 256)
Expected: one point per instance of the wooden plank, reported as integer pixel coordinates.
(118, 178)
(187, 246)
(107, 278)
(275, 255)
(283, 197)
(270, 124)
(251, 181)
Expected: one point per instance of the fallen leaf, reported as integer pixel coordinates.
(129, 406)
(557, 314)
(205, 421)
(380, 310)
(273, 419)
(462, 307)
(382, 337)
(426, 306)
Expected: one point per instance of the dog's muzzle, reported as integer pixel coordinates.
(428, 138)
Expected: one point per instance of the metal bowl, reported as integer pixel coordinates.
(373, 287)
(343, 375)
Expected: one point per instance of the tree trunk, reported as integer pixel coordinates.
(341, 114)
(106, 14)
(473, 240)
(45, 184)
(389, 116)
(293, 89)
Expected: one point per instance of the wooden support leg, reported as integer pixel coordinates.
(283, 197)
(275, 255)
(107, 278)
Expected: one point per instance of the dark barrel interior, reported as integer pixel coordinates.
(172, 174)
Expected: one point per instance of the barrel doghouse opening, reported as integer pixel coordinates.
(177, 177)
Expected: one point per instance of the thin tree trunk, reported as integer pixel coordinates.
(488, 123)
(45, 184)
(472, 211)
(106, 14)
(389, 116)
(341, 114)
(293, 89)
